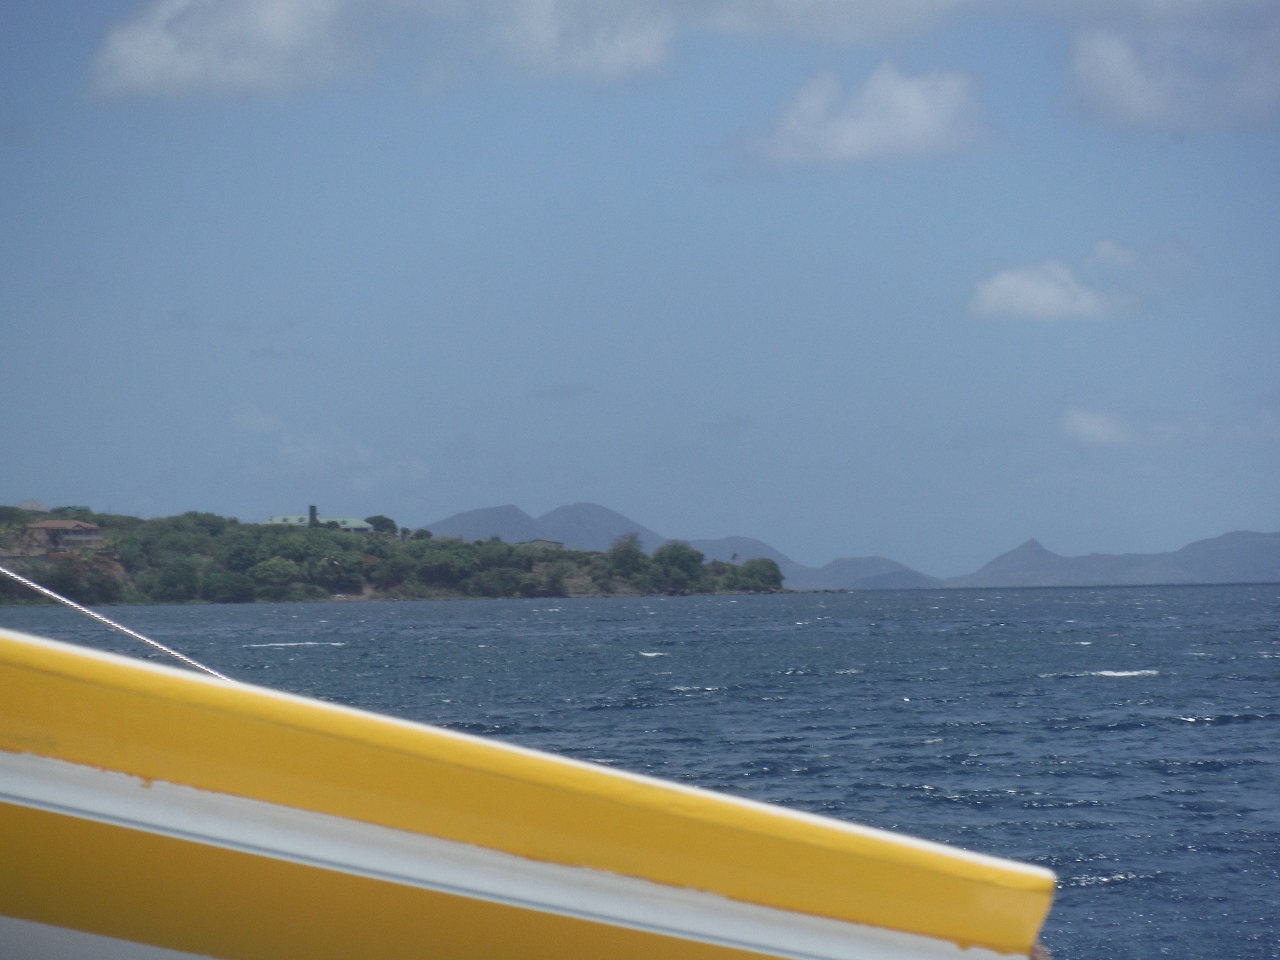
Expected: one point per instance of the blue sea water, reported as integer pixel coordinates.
(1126, 737)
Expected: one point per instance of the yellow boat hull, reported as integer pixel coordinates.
(158, 807)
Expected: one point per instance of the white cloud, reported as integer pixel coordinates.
(1046, 291)
(328, 453)
(1117, 85)
(890, 116)
(841, 21)
(179, 47)
(1170, 64)
(602, 39)
(1093, 428)
(1183, 72)
(176, 47)
(1113, 255)
(254, 419)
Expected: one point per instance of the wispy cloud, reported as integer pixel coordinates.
(325, 453)
(1111, 278)
(177, 47)
(1113, 255)
(604, 39)
(1094, 428)
(891, 115)
(1195, 72)
(1189, 64)
(1045, 291)
(253, 419)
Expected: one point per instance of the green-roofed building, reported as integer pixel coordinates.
(350, 524)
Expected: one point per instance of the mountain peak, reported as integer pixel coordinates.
(508, 522)
(589, 526)
(1027, 556)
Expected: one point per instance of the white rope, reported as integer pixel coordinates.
(111, 623)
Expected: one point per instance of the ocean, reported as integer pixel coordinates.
(1126, 738)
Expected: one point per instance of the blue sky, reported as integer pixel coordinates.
(920, 279)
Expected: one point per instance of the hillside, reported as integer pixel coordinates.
(202, 557)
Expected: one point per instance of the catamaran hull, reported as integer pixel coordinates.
(158, 808)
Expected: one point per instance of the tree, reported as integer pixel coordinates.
(392, 571)
(626, 557)
(761, 574)
(450, 568)
(227, 586)
(274, 576)
(241, 552)
(498, 582)
(677, 556)
(555, 583)
(85, 579)
(339, 573)
(179, 581)
(382, 524)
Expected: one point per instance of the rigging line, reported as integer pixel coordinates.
(111, 623)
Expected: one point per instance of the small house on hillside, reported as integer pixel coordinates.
(350, 524)
(66, 532)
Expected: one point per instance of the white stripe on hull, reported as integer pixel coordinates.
(446, 866)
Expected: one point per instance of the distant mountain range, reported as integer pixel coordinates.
(589, 526)
(583, 526)
(1240, 557)
(846, 573)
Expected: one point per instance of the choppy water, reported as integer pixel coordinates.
(1125, 738)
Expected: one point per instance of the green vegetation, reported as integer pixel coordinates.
(202, 557)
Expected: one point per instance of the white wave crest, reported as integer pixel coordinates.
(300, 643)
(1124, 673)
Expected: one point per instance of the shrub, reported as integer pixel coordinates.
(227, 586)
(274, 577)
(85, 580)
(626, 557)
(445, 568)
(381, 524)
(760, 574)
(178, 582)
(500, 582)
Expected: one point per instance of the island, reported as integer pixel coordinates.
(197, 557)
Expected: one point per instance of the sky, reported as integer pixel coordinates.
(916, 278)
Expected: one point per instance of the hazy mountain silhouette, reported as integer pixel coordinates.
(589, 526)
(865, 573)
(1240, 557)
(846, 573)
(508, 523)
(745, 548)
(582, 526)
